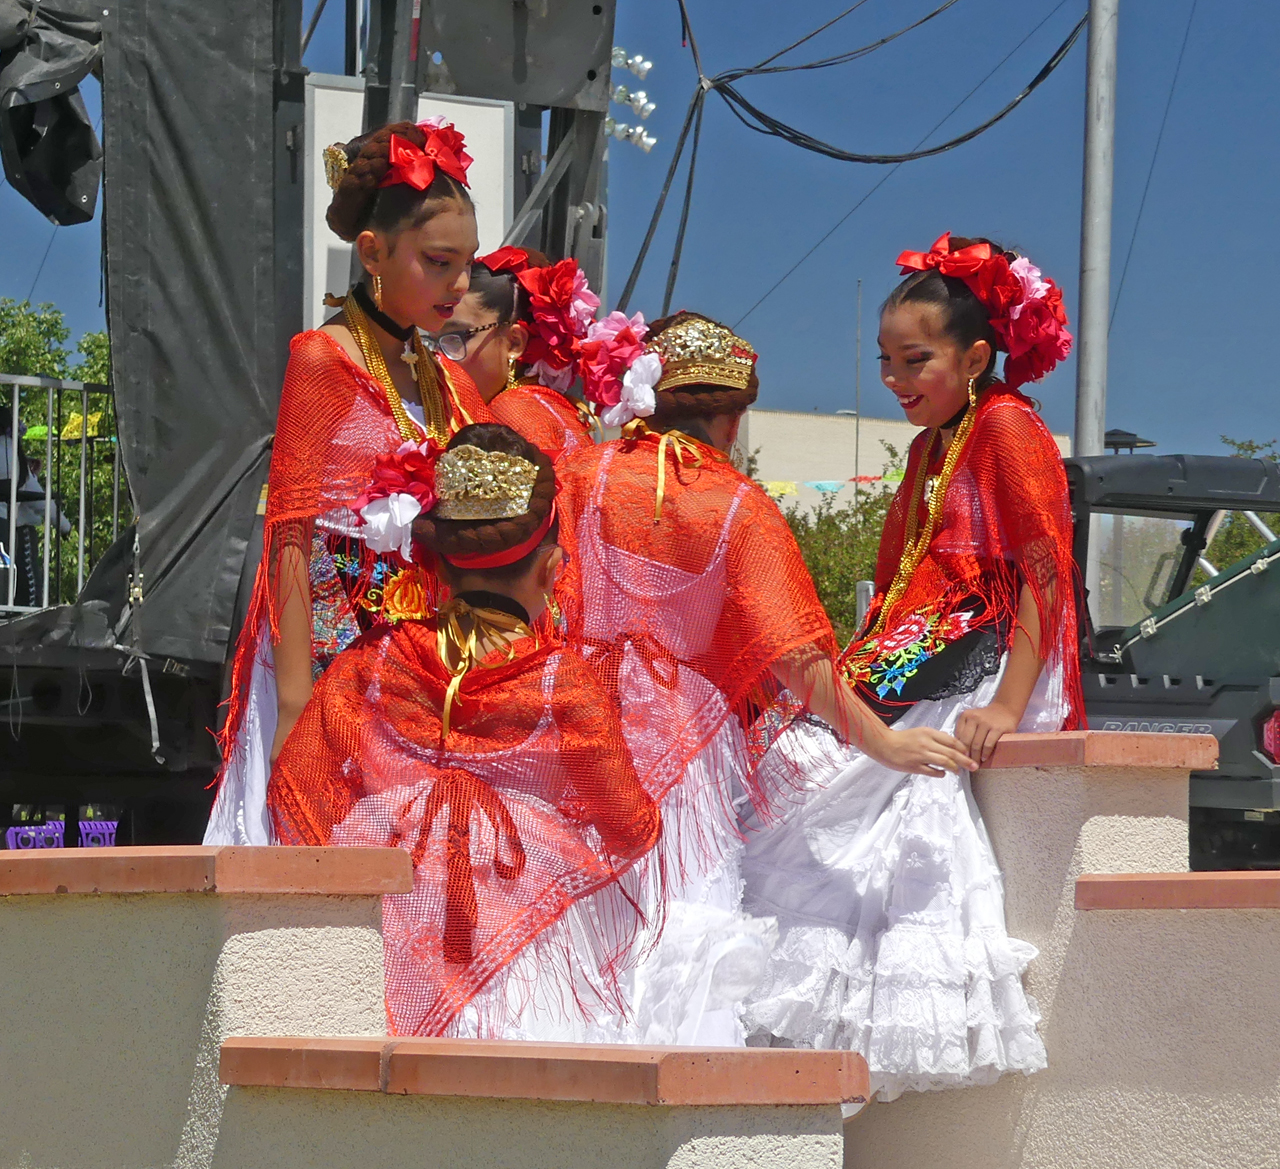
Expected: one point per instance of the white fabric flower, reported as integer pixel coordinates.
(388, 523)
(552, 378)
(638, 399)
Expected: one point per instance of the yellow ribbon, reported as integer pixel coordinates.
(680, 444)
(460, 631)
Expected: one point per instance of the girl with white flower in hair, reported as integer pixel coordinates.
(687, 595)
(887, 892)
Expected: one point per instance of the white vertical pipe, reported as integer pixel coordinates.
(13, 497)
(84, 454)
(1095, 229)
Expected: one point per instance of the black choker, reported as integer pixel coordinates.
(401, 333)
(483, 599)
(955, 419)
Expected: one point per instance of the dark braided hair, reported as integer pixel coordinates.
(501, 293)
(483, 537)
(360, 204)
(679, 407)
(964, 317)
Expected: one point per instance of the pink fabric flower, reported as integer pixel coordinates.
(610, 347)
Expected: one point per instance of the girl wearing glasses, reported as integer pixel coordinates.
(355, 391)
(516, 333)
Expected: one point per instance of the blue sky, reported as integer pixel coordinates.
(1188, 316)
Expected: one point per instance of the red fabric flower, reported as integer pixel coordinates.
(411, 470)
(604, 356)
(551, 298)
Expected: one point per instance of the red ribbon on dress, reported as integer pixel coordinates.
(506, 259)
(464, 794)
(964, 262)
(509, 555)
(417, 165)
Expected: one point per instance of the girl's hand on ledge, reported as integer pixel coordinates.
(981, 728)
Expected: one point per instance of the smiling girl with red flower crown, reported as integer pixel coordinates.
(888, 896)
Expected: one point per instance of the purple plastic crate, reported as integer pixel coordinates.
(36, 835)
(98, 833)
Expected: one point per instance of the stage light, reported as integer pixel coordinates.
(639, 66)
(640, 103)
(637, 137)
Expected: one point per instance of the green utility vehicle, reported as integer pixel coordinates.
(1181, 559)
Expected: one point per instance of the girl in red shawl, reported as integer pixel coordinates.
(515, 333)
(495, 758)
(687, 594)
(884, 884)
(355, 389)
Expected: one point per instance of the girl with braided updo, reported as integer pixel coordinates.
(354, 390)
(886, 891)
(687, 593)
(517, 924)
(515, 332)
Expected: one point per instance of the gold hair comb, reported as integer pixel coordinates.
(335, 164)
(473, 484)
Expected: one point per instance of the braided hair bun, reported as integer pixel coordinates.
(449, 538)
(359, 203)
(698, 400)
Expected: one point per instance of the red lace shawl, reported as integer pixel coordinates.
(546, 418)
(764, 609)
(334, 420)
(540, 793)
(1005, 521)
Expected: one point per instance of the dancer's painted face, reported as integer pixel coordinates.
(425, 270)
(926, 370)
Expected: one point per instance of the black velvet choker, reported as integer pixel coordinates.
(955, 419)
(483, 599)
(401, 333)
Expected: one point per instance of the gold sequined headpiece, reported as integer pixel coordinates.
(335, 164)
(700, 352)
(472, 484)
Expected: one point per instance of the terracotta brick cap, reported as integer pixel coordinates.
(197, 869)
(1178, 891)
(591, 1073)
(1106, 749)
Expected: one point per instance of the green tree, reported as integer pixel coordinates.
(33, 342)
(1236, 537)
(840, 543)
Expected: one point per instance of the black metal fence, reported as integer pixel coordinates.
(64, 497)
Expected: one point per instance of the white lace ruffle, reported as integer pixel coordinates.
(891, 909)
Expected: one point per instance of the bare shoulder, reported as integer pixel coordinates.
(342, 335)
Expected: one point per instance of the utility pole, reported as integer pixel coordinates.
(1095, 229)
(857, 397)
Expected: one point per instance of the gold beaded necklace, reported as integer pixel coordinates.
(915, 546)
(424, 367)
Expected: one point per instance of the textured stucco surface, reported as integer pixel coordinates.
(1163, 1049)
(356, 1130)
(114, 1007)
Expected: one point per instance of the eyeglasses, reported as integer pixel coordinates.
(453, 344)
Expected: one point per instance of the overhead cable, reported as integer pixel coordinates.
(1142, 203)
(897, 166)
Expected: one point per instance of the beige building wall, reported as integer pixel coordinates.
(795, 447)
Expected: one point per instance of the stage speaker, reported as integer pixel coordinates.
(539, 52)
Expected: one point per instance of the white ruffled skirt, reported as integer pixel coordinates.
(891, 912)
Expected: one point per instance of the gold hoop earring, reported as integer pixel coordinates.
(377, 291)
(973, 396)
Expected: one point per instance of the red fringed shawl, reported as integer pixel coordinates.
(548, 419)
(510, 821)
(334, 421)
(1005, 521)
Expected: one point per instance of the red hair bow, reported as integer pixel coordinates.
(508, 259)
(417, 165)
(964, 262)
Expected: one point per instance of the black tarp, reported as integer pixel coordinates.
(51, 154)
(199, 332)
